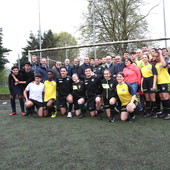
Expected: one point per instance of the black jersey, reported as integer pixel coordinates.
(79, 90)
(27, 76)
(98, 70)
(93, 86)
(64, 86)
(109, 88)
(11, 82)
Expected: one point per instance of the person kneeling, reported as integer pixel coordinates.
(35, 89)
(127, 98)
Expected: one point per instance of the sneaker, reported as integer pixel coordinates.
(167, 117)
(12, 114)
(69, 115)
(146, 115)
(31, 116)
(53, 115)
(23, 113)
(111, 120)
(154, 116)
(132, 119)
(80, 116)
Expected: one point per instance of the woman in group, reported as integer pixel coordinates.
(148, 86)
(127, 98)
(79, 95)
(109, 95)
(133, 76)
(163, 83)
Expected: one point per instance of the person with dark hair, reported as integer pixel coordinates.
(127, 97)
(93, 89)
(64, 89)
(35, 90)
(98, 69)
(28, 75)
(79, 95)
(163, 84)
(109, 95)
(16, 89)
(148, 86)
(50, 95)
(85, 65)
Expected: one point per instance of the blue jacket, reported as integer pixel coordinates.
(43, 71)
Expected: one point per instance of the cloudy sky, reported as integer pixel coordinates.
(19, 17)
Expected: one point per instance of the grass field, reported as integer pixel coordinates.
(4, 90)
(86, 144)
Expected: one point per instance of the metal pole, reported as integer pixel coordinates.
(101, 44)
(164, 23)
(39, 29)
(18, 61)
(94, 29)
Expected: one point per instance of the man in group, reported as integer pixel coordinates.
(35, 89)
(85, 65)
(98, 69)
(64, 85)
(68, 66)
(56, 70)
(76, 67)
(119, 65)
(109, 65)
(93, 89)
(50, 95)
(34, 63)
(43, 69)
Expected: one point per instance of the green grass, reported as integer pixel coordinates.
(4, 90)
(86, 144)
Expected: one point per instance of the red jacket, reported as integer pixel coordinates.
(132, 74)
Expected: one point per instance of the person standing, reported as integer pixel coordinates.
(16, 89)
(163, 83)
(43, 69)
(148, 86)
(34, 63)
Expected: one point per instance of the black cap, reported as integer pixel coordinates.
(28, 63)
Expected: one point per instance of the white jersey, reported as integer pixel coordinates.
(35, 91)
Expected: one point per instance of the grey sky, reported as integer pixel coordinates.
(19, 17)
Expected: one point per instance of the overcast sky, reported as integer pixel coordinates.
(19, 17)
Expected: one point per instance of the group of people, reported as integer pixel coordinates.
(138, 81)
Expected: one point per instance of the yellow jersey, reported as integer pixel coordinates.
(148, 71)
(49, 90)
(125, 93)
(163, 75)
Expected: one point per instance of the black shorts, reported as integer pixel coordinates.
(106, 102)
(147, 85)
(75, 102)
(163, 88)
(37, 103)
(91, 104)
(123, 108)
(62, 101)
